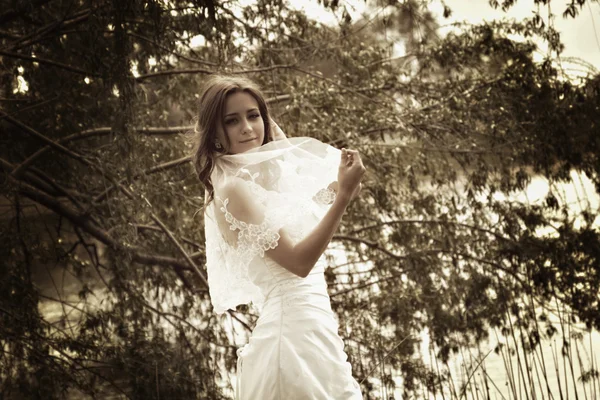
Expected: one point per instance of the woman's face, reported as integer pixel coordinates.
(241, 122)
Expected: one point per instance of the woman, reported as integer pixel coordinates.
(271, 209)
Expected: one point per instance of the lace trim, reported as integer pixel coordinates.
(325, 196)
(253, 239)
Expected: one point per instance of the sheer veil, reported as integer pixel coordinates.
(278, 185)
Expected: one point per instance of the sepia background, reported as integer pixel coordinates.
(469, 267)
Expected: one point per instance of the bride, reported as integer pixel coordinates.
(272, 205)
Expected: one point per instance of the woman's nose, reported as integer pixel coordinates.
(246, 127)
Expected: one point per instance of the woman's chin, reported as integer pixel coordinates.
(248, 146)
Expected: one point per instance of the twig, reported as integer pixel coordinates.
(94, 260)
(156, 228)
(60, 351)
(334, 83)
(383, 359)
(158, 168)
(368, 243)
(183, 320)
(179, 247)
(464, 388)
(183, 57)
(416, 221)
(41, 103)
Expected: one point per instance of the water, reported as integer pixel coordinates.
(508, 375)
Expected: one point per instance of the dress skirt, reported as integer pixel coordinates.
(295, 352)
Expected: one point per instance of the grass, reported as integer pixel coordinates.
(560, 366)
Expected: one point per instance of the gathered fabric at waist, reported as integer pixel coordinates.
(282, 289)
(312, 284)
(305, 295)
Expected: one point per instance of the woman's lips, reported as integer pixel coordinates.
(249, 140)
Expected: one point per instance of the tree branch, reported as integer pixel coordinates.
(334, 83)
(416, 221)
(58, 349)
(157, 168)
(373, 245)
(48, 62)
(42, 181)
(156, 228)
(8, 35)
(137, 254)
(42, 32)
(46, 140)
(180, 248)
(165, 315)
(107, 130)
(208, 72)
(183, 57)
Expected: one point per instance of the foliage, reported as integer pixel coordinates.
(97, 181)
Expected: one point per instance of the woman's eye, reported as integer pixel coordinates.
(230, 121)
(254, 116)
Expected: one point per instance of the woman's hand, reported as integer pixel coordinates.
(276, 131)
(350, 174)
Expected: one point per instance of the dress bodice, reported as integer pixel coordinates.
(275, 281)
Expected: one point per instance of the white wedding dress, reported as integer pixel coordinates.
(294, 352)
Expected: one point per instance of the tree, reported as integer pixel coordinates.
(571, 10)
(97, 180)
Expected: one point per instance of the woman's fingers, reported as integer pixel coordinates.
(352, 157)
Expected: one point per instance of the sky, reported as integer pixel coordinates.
(581, 36)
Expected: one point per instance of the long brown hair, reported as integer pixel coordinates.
(210, 113)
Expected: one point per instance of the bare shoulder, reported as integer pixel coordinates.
(235, 187)
(242, 204)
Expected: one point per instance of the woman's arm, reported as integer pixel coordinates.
(308, 251)
(301, 257)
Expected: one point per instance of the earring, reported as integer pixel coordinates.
(217, 145)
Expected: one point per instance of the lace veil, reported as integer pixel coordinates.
(282, 184)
